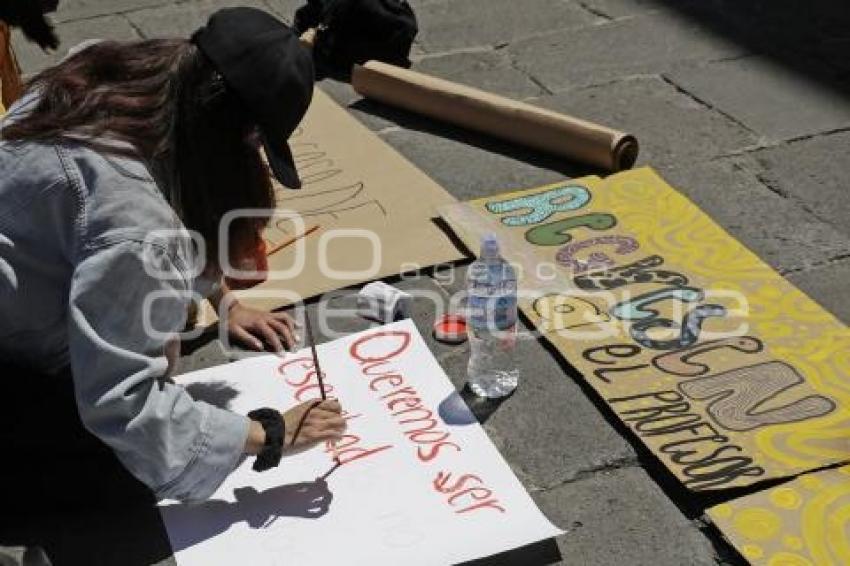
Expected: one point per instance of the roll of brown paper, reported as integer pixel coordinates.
(498, 116)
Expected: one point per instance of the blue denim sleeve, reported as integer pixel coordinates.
(125, 300)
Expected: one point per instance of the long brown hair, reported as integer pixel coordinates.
(164, 99)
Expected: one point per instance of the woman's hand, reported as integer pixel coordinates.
(257, 329)
(311, 422)
(305, 424)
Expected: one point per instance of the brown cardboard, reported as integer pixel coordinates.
(352, 180)
(804, 522)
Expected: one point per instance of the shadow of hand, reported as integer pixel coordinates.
(190, 524)
(310, 500)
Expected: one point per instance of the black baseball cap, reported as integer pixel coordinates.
(265, 64)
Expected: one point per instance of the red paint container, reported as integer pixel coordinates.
(451, 329)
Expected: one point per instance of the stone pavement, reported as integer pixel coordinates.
(741, 105)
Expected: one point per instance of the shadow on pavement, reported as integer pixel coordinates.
(415, 122)
(535, 554)
(64, 490)
(811, 38)
(692, 504)
(195, 523)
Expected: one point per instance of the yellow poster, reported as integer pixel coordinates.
(726, 371)
(805, 522)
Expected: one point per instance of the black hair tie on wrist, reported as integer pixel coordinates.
(272, 423)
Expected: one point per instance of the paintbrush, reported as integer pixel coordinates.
(291, 240)
(312, 342)
(308, 328)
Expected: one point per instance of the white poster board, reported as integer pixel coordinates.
(411, 489)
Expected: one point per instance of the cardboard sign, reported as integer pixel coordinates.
(804, 522)
(726, 371)
(375, 212)
(411, 489)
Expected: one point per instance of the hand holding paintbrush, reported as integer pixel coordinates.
(303, 423)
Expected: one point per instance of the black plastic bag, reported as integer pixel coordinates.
(28, 15)
(355, 31)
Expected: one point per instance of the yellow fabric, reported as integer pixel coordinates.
(11, 85)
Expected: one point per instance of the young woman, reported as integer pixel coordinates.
(107, 164)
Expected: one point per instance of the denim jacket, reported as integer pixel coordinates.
(96, 271)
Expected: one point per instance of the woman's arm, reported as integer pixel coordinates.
(120, 316)
(218, 295)
(256, 439)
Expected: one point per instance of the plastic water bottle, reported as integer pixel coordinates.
(491, 322)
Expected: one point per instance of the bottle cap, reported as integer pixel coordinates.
(489, 246)
(451, 329)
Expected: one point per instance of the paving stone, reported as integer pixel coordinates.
(688, 133)
(416, 51)
(829, 286)
(548, 430)
(70, 10)
(647, 44)
(181, 20)
(615, 9)
(471, 166)
(33, 59)
(285, 8)
(774, 227)
(814, 173)
(489, 70)
(622, 517)
(469, 23)
(810, 37)
(766, 97)
(417, 4)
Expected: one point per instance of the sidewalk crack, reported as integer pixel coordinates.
(59, 19)
(816, 265)
(425, 55)
(133, 25)
(544, 90)
(804, 206)
(765, 143)
(614, 465)
(806, 137)
(706, 104)
(594, 11)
